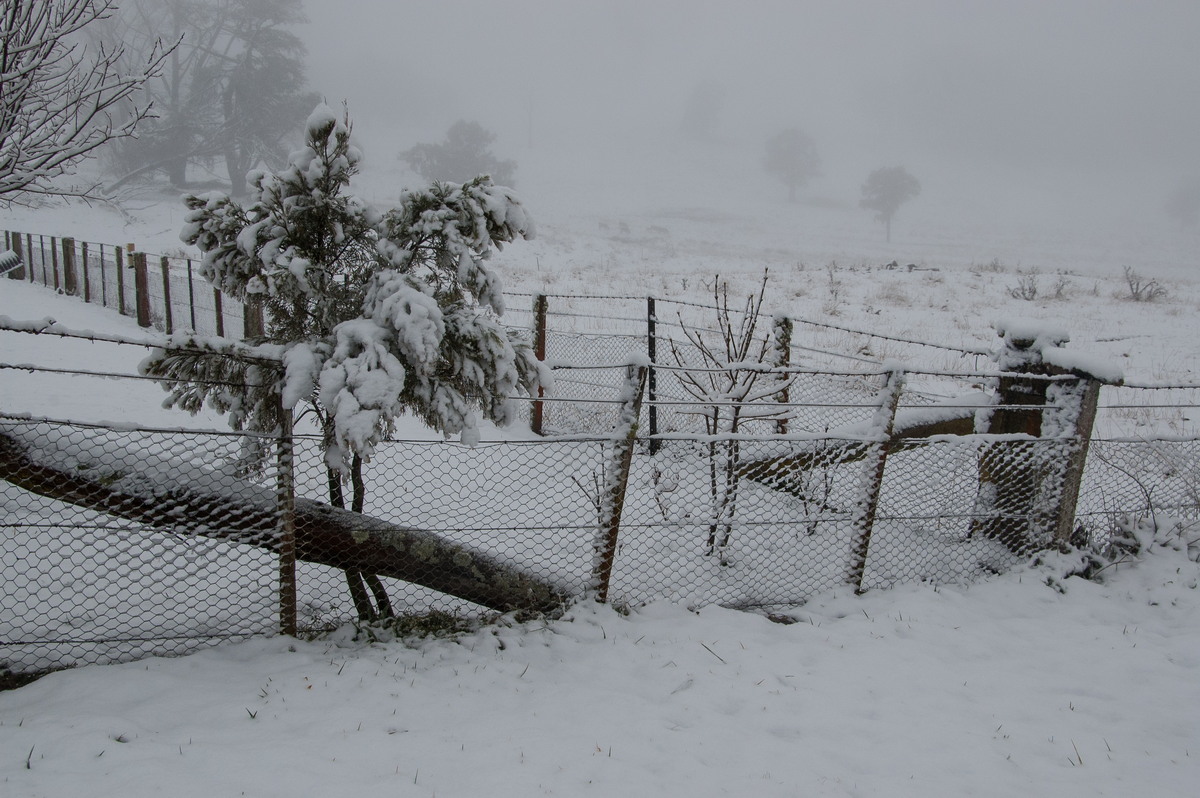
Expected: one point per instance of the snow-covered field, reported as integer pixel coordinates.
(1011, 686)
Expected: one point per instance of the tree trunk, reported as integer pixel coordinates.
(324, 535)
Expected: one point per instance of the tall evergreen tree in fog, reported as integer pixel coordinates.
(231, 94)
(60, 99)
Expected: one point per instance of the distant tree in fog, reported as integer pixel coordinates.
(464, 154)
(1183, 204)
(792, 158)
(886, 189)
(233, 92)
(702, 111)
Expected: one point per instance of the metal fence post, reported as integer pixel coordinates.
(286, 493)
(541, 305)
(883, 425)
(612, 500)
(652, 377)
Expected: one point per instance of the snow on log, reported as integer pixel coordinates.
(324, 534)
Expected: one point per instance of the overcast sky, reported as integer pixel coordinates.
(1104, 96)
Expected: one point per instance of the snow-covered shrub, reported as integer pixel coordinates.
(371, 313)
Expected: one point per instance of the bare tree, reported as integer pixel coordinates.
(792, 158)
(733, 385)
(886, 189)
(60, 100)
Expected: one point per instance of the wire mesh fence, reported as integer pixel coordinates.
(750, 485)
(118, 542)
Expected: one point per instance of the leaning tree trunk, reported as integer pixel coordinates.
(324, 535)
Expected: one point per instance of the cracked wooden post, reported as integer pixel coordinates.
(612, 500)
(286, 492)
(882, 427)
(541, 306)
(1068, 500)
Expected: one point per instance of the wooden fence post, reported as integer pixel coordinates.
(14, 243)
(168, 316)
(103, 277)
(53, 261)
(286, 493)
(541, 305)
(1089, 401)
(252, 319)
(121, 282)
(882, 427)
(70, 279)
(218, 312)
(141, 289)
(616, 480)
(87, 280)
(191, 294)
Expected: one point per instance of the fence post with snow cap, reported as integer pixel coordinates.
(616, 479)
(882, 426)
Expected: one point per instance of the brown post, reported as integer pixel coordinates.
(121, 282)
(87, 283)
(220, 314)
(14, 244)
(612, 501)
(868, 503)
(53, 260)
(1013, 474)
(652, 376)
(141, 288)
(103, 277)
(252, 318)
(541, 305)
(191, 294)
(285, 491)
(1089, 401)
(70, 278)
(782, 332)
(168, 318)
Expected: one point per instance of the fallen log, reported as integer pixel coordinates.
(325, 535)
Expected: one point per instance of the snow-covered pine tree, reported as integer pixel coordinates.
(373, 313)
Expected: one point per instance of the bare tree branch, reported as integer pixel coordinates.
(59, 99)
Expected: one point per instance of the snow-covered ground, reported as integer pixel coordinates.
(1007, 687)
(1010, 687)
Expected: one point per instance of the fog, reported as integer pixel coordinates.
(1004, 110)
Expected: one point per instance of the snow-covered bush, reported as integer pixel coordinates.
(370, 313)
